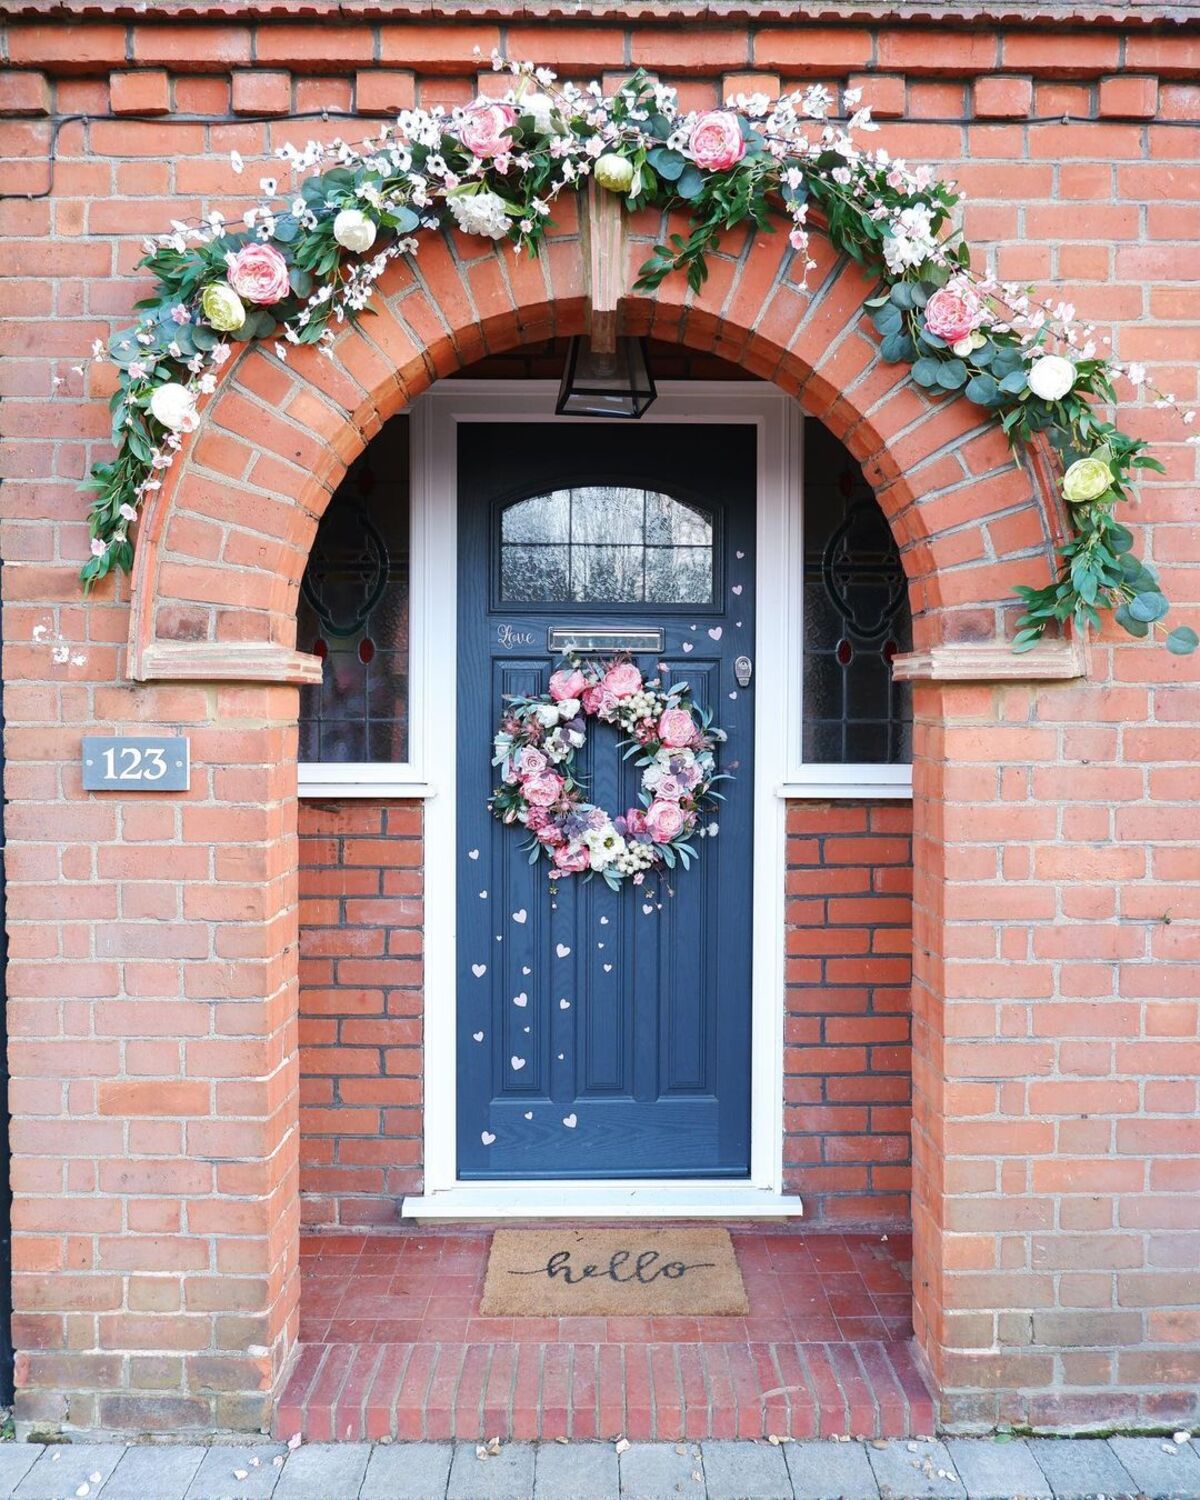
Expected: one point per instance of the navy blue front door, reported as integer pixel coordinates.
(605, 1034)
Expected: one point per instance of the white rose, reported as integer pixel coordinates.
(963, 347)
(568, 708)
(353, 230)
(175, 407)
(541, 107)
(547, 715)
(1051, 377)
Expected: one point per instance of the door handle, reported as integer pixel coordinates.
(743, 670)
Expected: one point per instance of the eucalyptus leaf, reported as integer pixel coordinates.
(925, 372)
(952, 375)
(1182, 641)
(983, 390)
(1127, 622)
(1149, 607)
(690, 184)
(667, 163)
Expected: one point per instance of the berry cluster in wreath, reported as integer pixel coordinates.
(672, 739)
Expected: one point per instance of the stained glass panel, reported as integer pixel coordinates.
(856, 615)
(353, 612)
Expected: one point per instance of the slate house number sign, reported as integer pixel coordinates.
(135, 763)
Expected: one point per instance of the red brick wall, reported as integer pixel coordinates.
(360, 1009)
(847, 1064)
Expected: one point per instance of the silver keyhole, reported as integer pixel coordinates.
(743, 670)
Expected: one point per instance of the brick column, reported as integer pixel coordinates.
(153, 1013)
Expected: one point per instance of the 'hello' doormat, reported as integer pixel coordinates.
(556, 1273)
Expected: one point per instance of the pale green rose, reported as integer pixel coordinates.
(222, 306)
(614, 172)
(1086, 479)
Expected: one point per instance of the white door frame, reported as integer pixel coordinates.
(779, 422)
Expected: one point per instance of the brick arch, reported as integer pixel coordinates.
(224, 544)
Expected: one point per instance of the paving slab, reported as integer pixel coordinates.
(830, 1471)
(16, 1460)
(408, 1471)
(153, 1472)
(1081, 1468)
(324, 1471)
(216, 1478)
(507, 1476)
(577, 1471)
(914, 1470)
(657, 1471)
(1162, 1475)
(998, 1471)
(745, 1471)
(64, 1468)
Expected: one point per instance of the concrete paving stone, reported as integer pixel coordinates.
(64, 1468)
(153, 1472)
(576, 1471)
(655, 1471)
(216, 1477)
(997, 1471)
(745, 1471)
(1081, 1468)
(16, 1460)
(324, 1471)
(914, 1470)
(507, 1476)
(408, 1471)
(1157, 1473)
(830, 1471)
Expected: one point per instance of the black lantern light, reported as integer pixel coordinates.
(606, 385)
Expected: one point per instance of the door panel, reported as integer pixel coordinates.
(603, 1034)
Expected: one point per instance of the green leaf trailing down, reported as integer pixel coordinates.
(1098, 571)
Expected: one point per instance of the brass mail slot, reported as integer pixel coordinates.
(560, 639)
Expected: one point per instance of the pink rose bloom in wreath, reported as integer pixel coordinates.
(670, 789)
(635, 821)
(485, 127)
(952, 315)
(664, 821)
(530, 762)
(676, 728)
(550, 835)
(543, 790)
(536, 818)
(623, 680)
(599, 700)
(260, 274)
(567, 684)
(570, 861)
(716, 141)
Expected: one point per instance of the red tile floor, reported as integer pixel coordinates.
(392, 1345)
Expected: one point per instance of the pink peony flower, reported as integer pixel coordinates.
(568, 683)
(676, 728)
(716, 141)
(623, 679)
(635, 821)
(550, 835)
(599, 700)
(570, 861)
(536, 818)
(530, 762)
(543, 790)
(952, 315)
(485, 127)
(664, 821)
(259, 274)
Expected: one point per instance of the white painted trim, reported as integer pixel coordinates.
(361, 779)
(829, 782)
(642, 1199)
(777, 681)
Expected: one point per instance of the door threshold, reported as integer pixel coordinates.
(644, 1199)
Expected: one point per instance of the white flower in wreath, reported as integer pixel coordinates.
(1051, 377)
(542, 109)
(604, 845)
(568, 709)
(353, 230)
(175, 407)
(547, 715)
(483, 213)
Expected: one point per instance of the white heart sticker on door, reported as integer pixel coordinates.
(564, 1005)
(519, 916)
(687, 646)
(736, 589)
(478, 1035)
(486, 1137)
(563, 951)
(570, 1121)
(517, 1063)
(529, 1114)
(522, 999)
(479, 970)
(472, 853)
(716, 632)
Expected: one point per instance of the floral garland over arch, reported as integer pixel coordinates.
(300, 265)
(673, 739)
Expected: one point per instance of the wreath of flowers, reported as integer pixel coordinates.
(673, 739)
(304, 261)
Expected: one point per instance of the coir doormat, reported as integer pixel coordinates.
(559, 1273)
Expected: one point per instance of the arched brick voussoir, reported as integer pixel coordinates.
(222, 547)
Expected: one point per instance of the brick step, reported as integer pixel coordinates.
(408, 1392)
